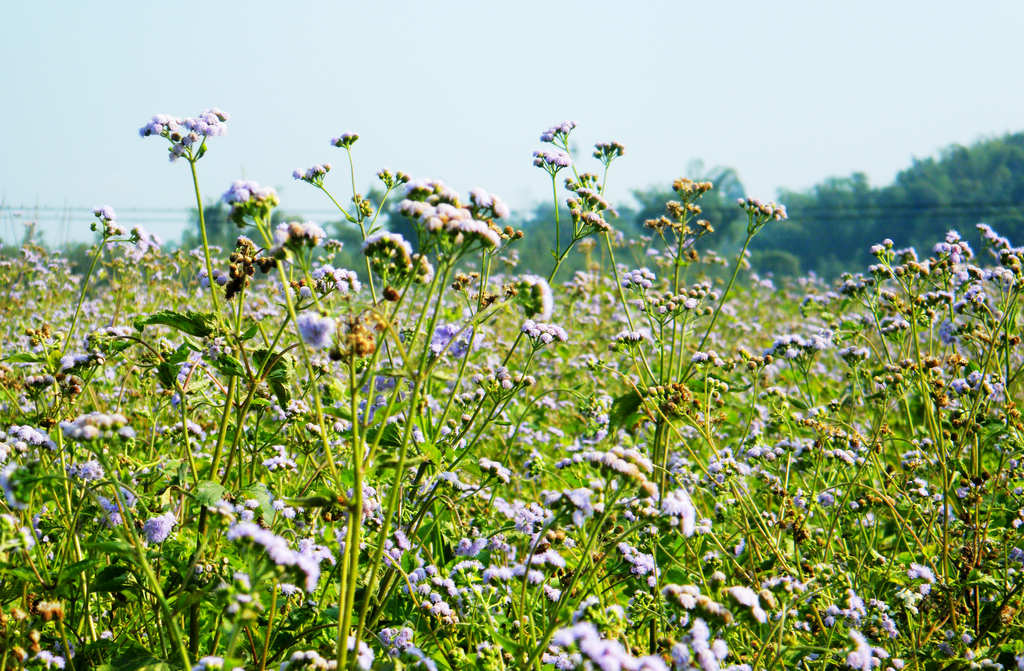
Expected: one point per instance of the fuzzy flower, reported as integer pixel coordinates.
(157, 529)
(626, 338)
(920, 572)
(447, 339)
(542, 333)
(551, 161)
(313, 175)
(187, 136)
(677, 503)
(244, 191)
(437, 209)
(209, 663)
(864, 656)
(316, 330)
(345, 140)
(104, 213)
(87, 471)
(278, 550)
(299, 234)
(48, 660)
(248, 199)
(641, 278)
(364, 654)
(22, 436)
(558, 131)
(6, 475)
(606, 152)
(603, 653)
(499, 471)
(748, 597)
(328, 278)
(389, 254)
(282, 461)
(94, 425)
(482, 200)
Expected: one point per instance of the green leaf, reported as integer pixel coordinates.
(341, 413)
(228, 365)
(113, 578)
(24, 357)
(390, 435)
(198, 324)
(623, 409)
(280, 392)
(180, 353)
(260, 493)
(137, 658)
(72, 570)
(277, 374)
(280, 365)
(167, 374)
(111, 548)
(208, 492)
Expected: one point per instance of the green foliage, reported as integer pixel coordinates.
(832, 225)
(456, 465)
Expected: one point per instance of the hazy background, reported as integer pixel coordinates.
(786, 93)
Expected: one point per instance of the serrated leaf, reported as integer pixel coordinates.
(260, 493)
(280, 392)
(228, 365)
(24, 357)
(389, 436)
(167, 375)
(208, 492)
(198, 324)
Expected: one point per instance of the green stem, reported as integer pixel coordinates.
(206, 243)
(81, 295)
(721, 301)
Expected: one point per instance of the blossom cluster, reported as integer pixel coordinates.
(185, 133)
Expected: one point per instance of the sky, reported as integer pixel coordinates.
(786, 93)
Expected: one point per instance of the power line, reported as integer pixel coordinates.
(70, 209)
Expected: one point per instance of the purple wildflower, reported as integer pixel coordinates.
(157, 529)
(316, 331)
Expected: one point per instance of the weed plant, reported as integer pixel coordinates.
(251, 459)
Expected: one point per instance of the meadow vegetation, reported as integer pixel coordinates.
(642, 457)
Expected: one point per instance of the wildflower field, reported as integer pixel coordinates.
(249, 458)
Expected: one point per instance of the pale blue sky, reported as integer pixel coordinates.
(786, 92)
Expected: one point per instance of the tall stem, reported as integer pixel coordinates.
(721, 301)
(558, 226)
(81, 295)
(206, 242)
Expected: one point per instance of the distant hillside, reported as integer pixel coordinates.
(833, 224)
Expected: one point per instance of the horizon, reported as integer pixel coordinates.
(461, 94)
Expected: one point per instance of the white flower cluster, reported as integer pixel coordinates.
(543, 333)
(299, 233)
(96, 424)
(437, 208)
(457, 222)
(641, 278)
(328, 278)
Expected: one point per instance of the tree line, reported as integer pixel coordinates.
(830, 229)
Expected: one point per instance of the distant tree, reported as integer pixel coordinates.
(220, 230)
(719, 205)
(833, 224)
